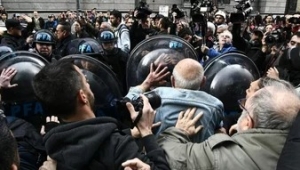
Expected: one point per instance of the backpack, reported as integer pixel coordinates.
(30, 143)
(121, 29)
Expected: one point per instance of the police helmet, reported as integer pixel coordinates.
(5, 50)
(43, 36)
(85, 47)
(107, 36)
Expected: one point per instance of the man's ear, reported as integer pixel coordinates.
(250, 122)
(203, 82)
(173, 81)
(82, 97)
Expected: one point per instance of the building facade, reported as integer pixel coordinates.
(53, 6)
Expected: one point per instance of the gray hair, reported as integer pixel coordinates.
(107, 25)
(275, 106)
(193, 84)
(267, 81)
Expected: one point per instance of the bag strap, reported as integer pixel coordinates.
(122, 29)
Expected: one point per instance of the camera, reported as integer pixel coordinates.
(179, 12)
(199, 8)
(274, 37)
(243, 8)
(154, 100)
(143, 11)
(294, 20)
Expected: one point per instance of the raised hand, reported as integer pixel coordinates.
(6, 76)
(156, 77)
(273, 73)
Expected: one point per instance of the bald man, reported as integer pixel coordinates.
(186, 80)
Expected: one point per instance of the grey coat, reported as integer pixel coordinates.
(255, 149)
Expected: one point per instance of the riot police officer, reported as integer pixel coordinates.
(43, 43)
(113, 56)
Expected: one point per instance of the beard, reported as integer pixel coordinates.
(114, 24)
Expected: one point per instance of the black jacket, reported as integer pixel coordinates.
(82, 34)
(138, 34)
(16, 43)
(117, 61)
(97, 144)
(237, 41)
(62, 46)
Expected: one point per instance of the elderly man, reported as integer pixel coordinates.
(188, 77)
(225, 45)
(262, 130)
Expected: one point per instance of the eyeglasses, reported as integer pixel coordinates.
(242, 103)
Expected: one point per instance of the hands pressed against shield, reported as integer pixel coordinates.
(186, 122)
(155, 77)
(6, 76)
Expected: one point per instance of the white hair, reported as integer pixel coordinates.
(193, 84)
(227, 33)
(211, 26)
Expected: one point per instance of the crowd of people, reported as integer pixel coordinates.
(187, 131)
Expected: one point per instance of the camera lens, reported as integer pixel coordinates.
(154, 99)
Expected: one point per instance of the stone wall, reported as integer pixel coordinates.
(62, 5)
(52, 6)
(272, 6)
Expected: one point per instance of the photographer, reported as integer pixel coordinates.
(104, 146)
(193, 39)
(141, 28)
(14, 37)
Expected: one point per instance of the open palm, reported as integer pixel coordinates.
(6, 76)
